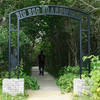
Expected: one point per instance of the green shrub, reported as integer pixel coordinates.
(25, 46)
(94, 76)
(0, 81)
(66, 82)
(66, 76)
(69, 69)
(95, 62)
(30, 82)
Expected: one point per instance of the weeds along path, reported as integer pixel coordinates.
(48, 88)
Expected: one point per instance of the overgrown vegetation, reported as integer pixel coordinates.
(66, 76)
(25, 46)
(94, 78)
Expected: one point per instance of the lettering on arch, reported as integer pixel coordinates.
(47, 10)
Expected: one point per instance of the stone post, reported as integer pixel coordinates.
(79, 86)
(13, 86)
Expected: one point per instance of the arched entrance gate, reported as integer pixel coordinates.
(48, 10)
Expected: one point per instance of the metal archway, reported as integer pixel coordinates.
(41, 10)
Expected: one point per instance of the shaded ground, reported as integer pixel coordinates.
(48, 88)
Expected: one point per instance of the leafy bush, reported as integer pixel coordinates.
(0, 81)
(68, 69)
(66, 82)
(94, 76)
(3, 49)
(95, 62)
(66, 76)
(25, 45)
(30, 82)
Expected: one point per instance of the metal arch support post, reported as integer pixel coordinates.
(17, 48)
(9, 46)
(80, 48)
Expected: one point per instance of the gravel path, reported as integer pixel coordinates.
(48, 88)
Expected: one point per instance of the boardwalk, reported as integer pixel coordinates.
(48, 88)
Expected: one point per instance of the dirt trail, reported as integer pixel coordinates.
(48, 88)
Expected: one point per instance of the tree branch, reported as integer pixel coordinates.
(94, 9)
(73, 3)
(85, 3)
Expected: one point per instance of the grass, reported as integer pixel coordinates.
(9, 97)
(84, 98)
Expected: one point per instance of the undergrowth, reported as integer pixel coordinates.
(66, 76)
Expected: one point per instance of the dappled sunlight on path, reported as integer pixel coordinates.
(48, 88)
